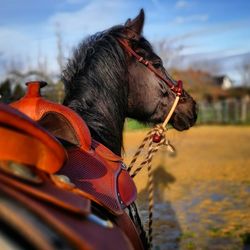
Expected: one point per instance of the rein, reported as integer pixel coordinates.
(154, 139)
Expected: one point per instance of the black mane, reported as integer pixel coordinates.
(96, 86)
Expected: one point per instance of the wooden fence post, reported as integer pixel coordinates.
(244, 108)
(226, 111)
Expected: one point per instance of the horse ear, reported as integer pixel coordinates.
(128, 22)
(137, 23)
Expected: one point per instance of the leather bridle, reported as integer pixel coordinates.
(176, 89)
(156, 137)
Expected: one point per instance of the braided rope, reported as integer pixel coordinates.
(153, 147)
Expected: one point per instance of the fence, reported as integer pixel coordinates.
(228, 111)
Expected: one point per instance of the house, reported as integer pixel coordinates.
(223, 81)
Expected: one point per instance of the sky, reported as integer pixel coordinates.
(216, 31)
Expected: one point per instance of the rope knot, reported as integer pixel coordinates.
(158, 133)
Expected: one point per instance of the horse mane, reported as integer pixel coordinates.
(95, 80)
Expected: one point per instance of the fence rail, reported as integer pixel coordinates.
(228, 111)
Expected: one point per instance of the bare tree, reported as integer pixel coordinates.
(21, 76)
(245, 71)
(14, 64)
(169, 52)
(210, 66)
(42, 64)
(1, 62)
(18, 70)
(59, 43)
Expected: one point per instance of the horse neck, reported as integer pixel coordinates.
(104, 110)
(96, 83)
(107, 125)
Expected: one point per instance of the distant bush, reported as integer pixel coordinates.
(8, 93)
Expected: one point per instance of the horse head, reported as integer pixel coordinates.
(149, 98)
(105, 83)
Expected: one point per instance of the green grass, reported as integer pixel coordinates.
(190, 245)
(187, 235)
(132, 124)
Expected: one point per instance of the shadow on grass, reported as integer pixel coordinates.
(166, 228)
(246, 241)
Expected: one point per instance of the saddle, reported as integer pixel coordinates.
(41, 210)
(91, 166)
(60, 184)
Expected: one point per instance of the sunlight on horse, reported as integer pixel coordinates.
(105, 84)
(83, 189)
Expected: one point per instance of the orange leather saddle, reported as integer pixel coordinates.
(45, 208)
(92, 167)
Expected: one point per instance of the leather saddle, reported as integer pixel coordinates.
(93, 168)
(40, 209)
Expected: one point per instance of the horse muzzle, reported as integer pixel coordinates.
(184, 117)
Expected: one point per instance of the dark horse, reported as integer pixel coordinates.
(105, 84)
(77, 194)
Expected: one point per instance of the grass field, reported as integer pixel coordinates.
(203, 193)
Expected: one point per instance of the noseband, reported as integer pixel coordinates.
(176, 89)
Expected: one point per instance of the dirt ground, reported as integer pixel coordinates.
(202, 195)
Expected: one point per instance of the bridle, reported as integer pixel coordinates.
(155, 138)
(176, 89)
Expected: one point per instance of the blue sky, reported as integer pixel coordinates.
(214, 31)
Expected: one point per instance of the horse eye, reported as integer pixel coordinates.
(157, 65)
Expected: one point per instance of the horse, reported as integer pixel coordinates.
(75, 185)
(104, 84)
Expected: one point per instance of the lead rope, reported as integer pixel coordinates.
(155, 138)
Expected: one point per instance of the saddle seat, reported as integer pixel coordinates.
(92, 167)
